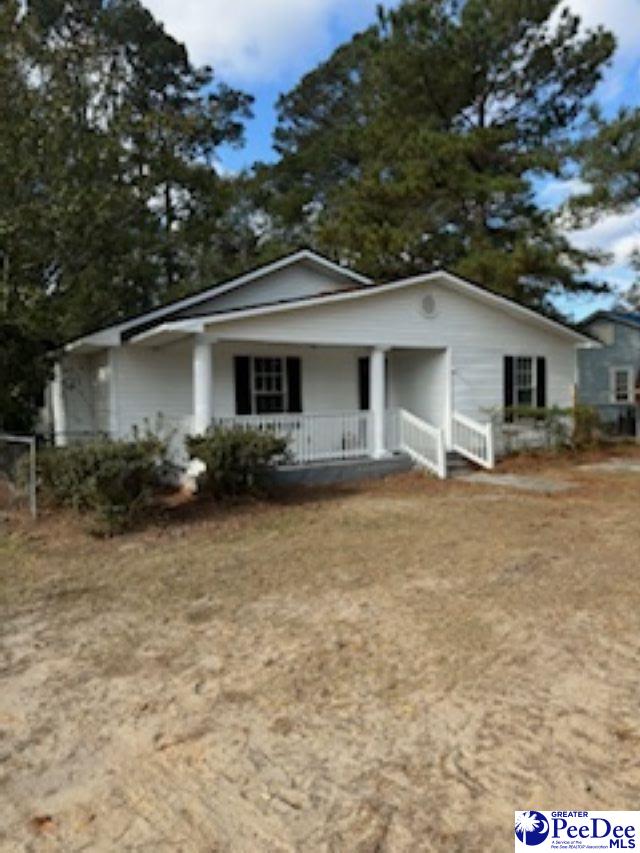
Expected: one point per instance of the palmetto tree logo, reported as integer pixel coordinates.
(532, 828)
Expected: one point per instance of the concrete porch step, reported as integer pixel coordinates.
(459, 466)
(340, 471)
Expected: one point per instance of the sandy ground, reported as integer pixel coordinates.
(390, 668)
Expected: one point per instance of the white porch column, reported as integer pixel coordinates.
(202, 383)
(378, 393)
(58, 406)
(114, 400)
(449, 397)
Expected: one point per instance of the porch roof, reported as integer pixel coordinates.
(168, 332)
(116, 333)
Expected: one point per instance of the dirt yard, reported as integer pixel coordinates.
(395, 667)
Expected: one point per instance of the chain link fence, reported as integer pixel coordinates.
(18, 472)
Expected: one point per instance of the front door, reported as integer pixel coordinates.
(364, 383)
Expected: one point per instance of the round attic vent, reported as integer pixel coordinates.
(428, 305)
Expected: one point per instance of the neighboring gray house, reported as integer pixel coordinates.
(609, 377)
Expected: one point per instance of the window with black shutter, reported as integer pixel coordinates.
(242, 371)
(508, 387)
(268, 385)
(541, 383)
(525, 383)
(364, 379)
(294, 384)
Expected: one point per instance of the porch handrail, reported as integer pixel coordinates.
(422, 441)
(313, 436)
(473, 440)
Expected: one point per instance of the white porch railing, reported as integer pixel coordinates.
(314, 437)
(473, 440)
(420, 440)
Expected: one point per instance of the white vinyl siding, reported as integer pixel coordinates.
(479, 336)
(153, 383)
(101, 373)
(417, 382)
(86, 385)
(295, 282)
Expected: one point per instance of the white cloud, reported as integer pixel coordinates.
(554, 192)
(622, 18)
(262, 40)
(253, 41)
(618, 234)
(256, 40)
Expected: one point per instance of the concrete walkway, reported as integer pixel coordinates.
(539, 485)
(615, 466)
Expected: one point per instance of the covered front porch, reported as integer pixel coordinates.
(337, 403)
(331, 402)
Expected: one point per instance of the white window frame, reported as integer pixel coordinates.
(534, 381)
(256, 393)
(613, 384)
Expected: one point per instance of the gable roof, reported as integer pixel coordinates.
(194, 324)
(627, 318)
(111, 335)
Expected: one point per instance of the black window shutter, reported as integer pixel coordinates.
(363, 384)
(541, 384)
(508, 386)
(243, 384)
(294, 381)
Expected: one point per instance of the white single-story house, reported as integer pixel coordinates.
(344, 367)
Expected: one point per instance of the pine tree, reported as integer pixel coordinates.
(609, 159)
(446, 114)
(108, 140)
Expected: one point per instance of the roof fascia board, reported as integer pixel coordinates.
(475, 291)
(219, 290)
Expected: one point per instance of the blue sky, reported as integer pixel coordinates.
(265, 46)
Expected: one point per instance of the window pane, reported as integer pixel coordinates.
(524, 372)
(523, 382)
(525, 397)
(269, 385)
(267, 404)
(621, 386)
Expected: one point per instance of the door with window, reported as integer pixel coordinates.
(622, 383)
(364, 383)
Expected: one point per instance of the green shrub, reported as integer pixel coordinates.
(574, 428)
(587, 427)
(114, 481)
(237, 459)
